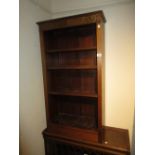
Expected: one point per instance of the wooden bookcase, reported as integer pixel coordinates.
(72, 51)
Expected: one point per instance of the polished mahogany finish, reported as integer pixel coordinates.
(73, 60)
(114, 141)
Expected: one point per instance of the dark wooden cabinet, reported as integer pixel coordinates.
(72, 50)
(114, 142)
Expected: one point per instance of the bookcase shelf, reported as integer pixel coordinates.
(73, 94)
(73, 67)
(72, 50)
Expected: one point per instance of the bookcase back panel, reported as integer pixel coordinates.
(81, 36)
(72, 81)
(73, 111)
(72, 59)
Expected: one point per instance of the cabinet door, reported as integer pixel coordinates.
(54, 147)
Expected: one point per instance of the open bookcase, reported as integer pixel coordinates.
(72, 51)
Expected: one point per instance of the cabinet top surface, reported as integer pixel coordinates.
(75, 20)
(112, 138)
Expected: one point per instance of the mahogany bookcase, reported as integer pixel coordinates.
(73, 62)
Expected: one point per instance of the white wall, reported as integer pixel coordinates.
(44, 4)
(71, 5)
(32, 109)
(120, 66)
(119, 51)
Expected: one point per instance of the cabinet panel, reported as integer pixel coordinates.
(57, 148)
